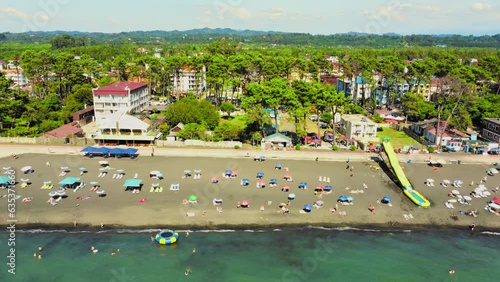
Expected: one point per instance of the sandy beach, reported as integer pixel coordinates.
(121, 209)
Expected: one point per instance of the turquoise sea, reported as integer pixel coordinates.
(307, 254)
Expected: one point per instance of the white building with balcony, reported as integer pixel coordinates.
(131, 97)
(360, 128)
(189, 80)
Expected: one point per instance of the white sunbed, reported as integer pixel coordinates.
(114, 176)
(136, 175)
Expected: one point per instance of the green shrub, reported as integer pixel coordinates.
(353, 148)
(297, 147)
(236, 147)
(430, 149)
(335, 148)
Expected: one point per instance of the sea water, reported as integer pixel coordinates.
(304, 254)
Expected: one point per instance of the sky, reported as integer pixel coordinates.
(306, 16)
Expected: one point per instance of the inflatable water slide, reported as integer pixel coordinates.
(414, 195)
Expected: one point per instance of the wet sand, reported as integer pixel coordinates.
(120, 209)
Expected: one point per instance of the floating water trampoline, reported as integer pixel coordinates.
(166, 237)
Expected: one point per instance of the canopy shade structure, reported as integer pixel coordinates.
(113, 151)
(132, 183)
(4, 180)
(69, 181)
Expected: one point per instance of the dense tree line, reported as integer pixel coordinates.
(206, 36)
(280, 78)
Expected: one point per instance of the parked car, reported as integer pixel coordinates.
(323, 125)
(328, 136)
(313, 117)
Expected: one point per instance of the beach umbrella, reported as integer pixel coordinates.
(187, 171)
(83, 169)
(446, 181)
(193, 198)
(61, 193)
(318, 188)
(291, 196)
(287, 176)
(319, 203)
(342, 199)
(65, 168)
(386, 199)
(493, 170)
(154, 172)
(24, 180)
(245, 203)
(53, 193)
(6, 167)
(155, 184)
(308, 207)
(260, 174)
(103, 162)
(228, 172)
(302, 184)
(328, 188)
(214, 179)
(273, 181)
(496, 200)
(198, 171)
(245, 181)
(120, 171)
(102, 169)
(261, 184)
(26, 169)
(278, 166)
(458, 182)
(93, 182)
(349, 199)
(100, 192)
(47, 182)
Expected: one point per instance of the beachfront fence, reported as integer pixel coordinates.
(75, 141)
(198, 143)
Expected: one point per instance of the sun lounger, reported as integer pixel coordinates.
(190, 214)
(160, 189)
(152, 189)
(136, 175)
(114, 176)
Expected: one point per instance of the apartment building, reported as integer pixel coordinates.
(125, 96)
(491, 129)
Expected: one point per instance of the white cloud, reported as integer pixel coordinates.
(481, 6)
(276, 13)
(13, 12)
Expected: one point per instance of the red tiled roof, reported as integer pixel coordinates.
(448, 132)
(119, 88)
(63, 131)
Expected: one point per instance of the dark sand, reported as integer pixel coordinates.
(165, 209)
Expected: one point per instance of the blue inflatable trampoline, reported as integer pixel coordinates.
(167, 237)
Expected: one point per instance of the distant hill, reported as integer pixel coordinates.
(207, 35)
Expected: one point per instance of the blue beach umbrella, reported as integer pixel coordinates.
(342, 199)
(350, 199)
(302, 185)
(386, 199)
(93, 182)
(83, 169)
(328, 188)
(102, 169)
(308, 208)
(273, 181)
(278, 166)
(260, 174)
(228, 172)
(291, 196)
(53, 193)
(245, 181)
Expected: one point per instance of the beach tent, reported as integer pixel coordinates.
(116, 151)
(132, 183)
(496, 200)
(130, 151)
(69, 181)
(88, 149)
(193, 199)
(4, 180)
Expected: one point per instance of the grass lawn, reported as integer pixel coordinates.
(240, 121)
(399, 139)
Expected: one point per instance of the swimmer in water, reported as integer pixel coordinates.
(117, 250)
(113, 253)
(34, 255)
(39, 256)
(451, 272)
(194, 250)
(40, 249)
(187, 272)
(187, 234)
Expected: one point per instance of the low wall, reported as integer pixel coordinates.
(47, 141)
(198, 143)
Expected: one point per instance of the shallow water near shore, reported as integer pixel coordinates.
(302, 254)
